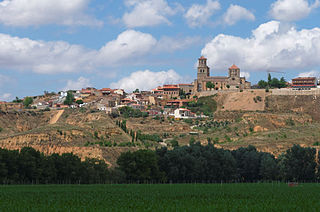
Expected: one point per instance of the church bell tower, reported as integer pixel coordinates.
(203, 69)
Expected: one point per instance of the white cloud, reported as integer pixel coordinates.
(129, 44)
(245, 74)
(61, 57)
(312, 73)
(42, 57)
(269, 47)
(236, 13)
(146, 80)
(292, 10)
(147, 13)
(77, 85)
(5, 97)
(40, 12)
(198, 15)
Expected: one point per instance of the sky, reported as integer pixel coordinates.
(54, 45)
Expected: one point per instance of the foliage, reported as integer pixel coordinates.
(140, 166)
(273, 82)
(27, 101)
(79, 101)
(17, 100)
(206, 105)
(299, 164)
(69, 99)
(129, 112)
(210, 85)
(31, 166)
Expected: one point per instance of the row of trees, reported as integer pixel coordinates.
(30, 166)
(272, 82)
(194, 163)
(197, 163)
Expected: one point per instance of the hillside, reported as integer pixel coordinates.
(272, 124)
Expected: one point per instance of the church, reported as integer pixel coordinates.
(205, 82)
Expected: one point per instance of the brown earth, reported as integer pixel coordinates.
(273, 124)
(248, 100)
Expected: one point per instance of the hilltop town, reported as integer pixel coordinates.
(225, 110)
(162, 100)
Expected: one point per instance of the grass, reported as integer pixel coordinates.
(181, 197)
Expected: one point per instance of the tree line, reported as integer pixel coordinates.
(182, 164)
(29, 166)
(208, 164)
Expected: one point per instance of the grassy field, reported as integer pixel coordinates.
(190, 197)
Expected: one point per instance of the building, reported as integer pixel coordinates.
(167, 91)
(205, 82)
(304, 83)
(186, 88)
(182, 113)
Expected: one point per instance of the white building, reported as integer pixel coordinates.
(182, 113)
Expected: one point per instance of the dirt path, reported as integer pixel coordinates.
(56, 117)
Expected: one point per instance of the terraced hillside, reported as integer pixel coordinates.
(284, 121)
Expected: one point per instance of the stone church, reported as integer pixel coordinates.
(233, 81)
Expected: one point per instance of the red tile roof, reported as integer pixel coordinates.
(202, 57)
(234, 67)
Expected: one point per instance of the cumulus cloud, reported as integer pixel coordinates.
(269, 47)
(40, 56)
(147, 13)
(236, 13)
(146, 80)
(61, 57)
(245, 74)
(198, 15)
(80, 83)
(128, 44)
(292, 10)
(312, 73)
(5, 97)
(40, 12)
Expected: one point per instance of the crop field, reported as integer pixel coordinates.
(169, 197)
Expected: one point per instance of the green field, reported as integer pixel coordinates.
(170, 197)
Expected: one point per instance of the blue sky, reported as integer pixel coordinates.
(55, 45)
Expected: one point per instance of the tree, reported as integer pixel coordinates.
(27, 101)
(269, 169)
(262, 84)
(136, 91)
(282, 83)
(299, 164)
(79, 101)
(269, 79)
(210, 85)
(17, 100)
(69, 99)
(140, 166)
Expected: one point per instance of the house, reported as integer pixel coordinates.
(167, 91)
(106, 91)
(182, 113)
(304, 83)
(186, 88)
(119, 91)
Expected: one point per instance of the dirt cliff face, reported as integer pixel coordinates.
(307, 104)
(70, 131)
